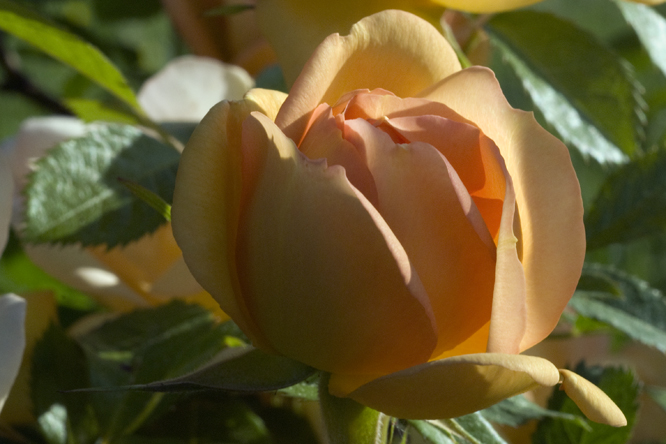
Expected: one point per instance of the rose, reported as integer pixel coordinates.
(439, 236)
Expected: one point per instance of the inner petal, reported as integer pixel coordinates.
(324, 141)
(470, 152)
(371, 106)
(420, 197)
(320, 270)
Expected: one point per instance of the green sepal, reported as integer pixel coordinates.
(348, 422)
(620, 385)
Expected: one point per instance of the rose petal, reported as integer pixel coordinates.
(509, 314)
(206, 206)
(12, 341)
(295, 27)
(373, 106)
(324, 141)
(188, 87)
(547, 193)
(591, 400)
(425, 204)
(469, 153)
(269, 101)
(485, 6)
(455, 386)
(321, 272)
(390, 50)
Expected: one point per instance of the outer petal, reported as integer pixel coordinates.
(206, 204)
(455, 386)
(485, 6)
(593, 402)
(432, 215)
(392, 50)
(12, 341)
(295, 27)
(189, 86)
(509, 315)
(321, 273)
(547, 194)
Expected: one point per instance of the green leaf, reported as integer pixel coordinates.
(237, 369)
(432, 433)
(475, 429)
(468, 429)
(303, 390)
(58, 364)
(624, 302)
(348, 422)
(90, 110)
(75, 195)
(67, 48)
(518, 410)
(631, 203)
(650, 27)
(141, 347)
(618, 384)
(600, 308)
(582, 88)
(152, 199)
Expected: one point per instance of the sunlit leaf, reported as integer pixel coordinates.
(66, 47)
(618, 384)
(582, 88)
(631, 203)
(650, 27)
(75, 195)
(90, 110)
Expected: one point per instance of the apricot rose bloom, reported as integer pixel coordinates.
(393, 221)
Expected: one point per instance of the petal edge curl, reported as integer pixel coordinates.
(391, 50)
